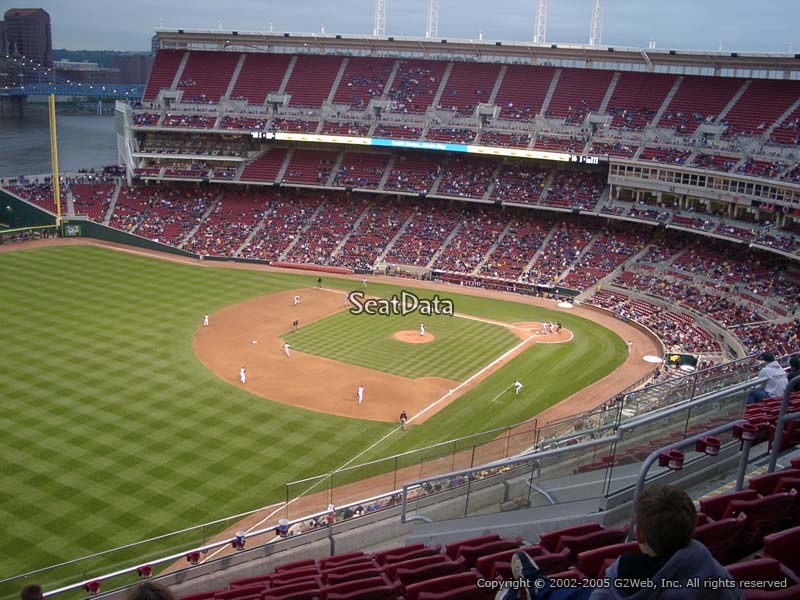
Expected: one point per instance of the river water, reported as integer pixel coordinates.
(84, 141)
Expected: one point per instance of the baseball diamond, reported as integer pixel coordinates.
(126, 397)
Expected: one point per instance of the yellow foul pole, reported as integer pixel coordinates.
(54, 157)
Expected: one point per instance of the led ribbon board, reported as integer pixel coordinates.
(418, 145)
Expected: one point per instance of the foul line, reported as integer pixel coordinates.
(396, 429)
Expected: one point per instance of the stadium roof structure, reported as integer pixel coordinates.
(692, 62)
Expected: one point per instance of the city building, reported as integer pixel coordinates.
(28, 34)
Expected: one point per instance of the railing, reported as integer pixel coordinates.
(589, 468)
(601, 457)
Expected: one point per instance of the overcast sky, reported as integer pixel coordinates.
(756, 25)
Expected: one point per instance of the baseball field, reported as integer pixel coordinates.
(123, 418)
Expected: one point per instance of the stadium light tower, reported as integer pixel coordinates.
(540, 22)
(432, 27)
(379, 27)
(596, 29)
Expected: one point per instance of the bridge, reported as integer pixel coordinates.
(94, 90)
(21, 77)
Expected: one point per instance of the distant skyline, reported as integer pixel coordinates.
(766, 26)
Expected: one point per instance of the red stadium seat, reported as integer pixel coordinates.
(592, 562)
(550, 539)
(452, 549)
(441, 584)
(716, 506)
(766, 484)
(415, 563)
(783, 546)
(397, 551)
(242, 593)
(722, 538)
(472, 552)
(485, 563)
(589, 541)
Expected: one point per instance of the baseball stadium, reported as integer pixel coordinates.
(366, 317)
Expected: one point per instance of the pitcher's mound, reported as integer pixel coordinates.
(411, 336)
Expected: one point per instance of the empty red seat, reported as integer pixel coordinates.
(398, 551)
(467, 592)
(762, 515)
(766, 570)
(784, 546)
(452, 549)
(722, 538)
(441, 584)
(589, 541)
(340, 559)
(715, 507)
(550, 539)
(349, 566)
(290, 577)
(298, 564)
(422, 552)
(472, 552)
(593, 562)
(298, 595)
(307, 589)
(335, 578)
(414, 563)
(242, 593)
(354, 586)
(380, 592)
(765, 484)
(485, 563)
(408, 577)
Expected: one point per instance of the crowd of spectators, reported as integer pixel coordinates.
(230, 222)
(561, 250)
(574, 189)
(383, 220)
(189, 121)
(424, 235)
(290, 213)
(334, 222)
(479, 230)
(466, 177)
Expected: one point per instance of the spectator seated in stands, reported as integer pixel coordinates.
(776, 380)
(665, 522)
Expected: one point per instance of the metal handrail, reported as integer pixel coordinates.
(782, 418)
(653, 456)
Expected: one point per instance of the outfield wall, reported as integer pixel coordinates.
(22, 213)
(109, 234)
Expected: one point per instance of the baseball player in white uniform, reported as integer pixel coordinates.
(422, 329)
(296, 300)
(205, 321)
(517, 387)
(363, 282)
(544, 328)
(243, 375)
(360, 394)
(286, 348)
(629, 344)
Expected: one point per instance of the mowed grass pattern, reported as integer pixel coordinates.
(461, 347)
(111, 430)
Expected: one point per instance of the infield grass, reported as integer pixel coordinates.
(111, 430)
(461, 347)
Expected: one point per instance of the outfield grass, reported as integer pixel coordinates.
(461, 347)
(112, 431)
